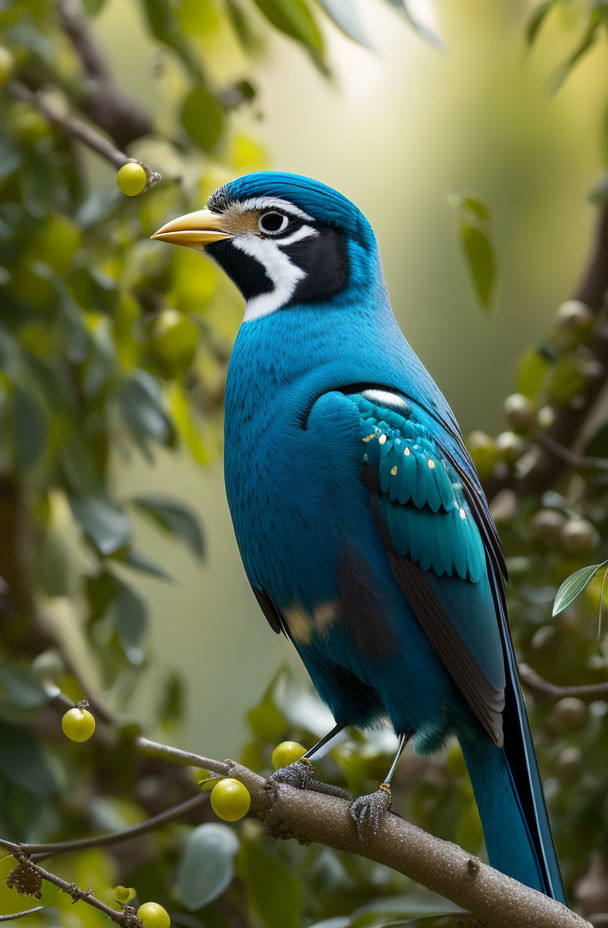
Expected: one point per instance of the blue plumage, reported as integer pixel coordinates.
(359, 515)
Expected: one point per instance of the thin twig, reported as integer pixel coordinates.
(77, 128)
(8, 918)
(496, 899)
(38, 852)
(102, 101)
(126, 918)
(568, 456)
(542, 687)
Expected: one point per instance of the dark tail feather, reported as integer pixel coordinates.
(511, 804)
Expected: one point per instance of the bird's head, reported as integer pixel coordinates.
(285, 240)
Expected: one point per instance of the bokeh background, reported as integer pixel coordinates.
(445, 117)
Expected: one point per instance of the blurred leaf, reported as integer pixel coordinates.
(346, 17)
(421, 28)
(206, 868)
(590, 34)
(572, 588)
(393, 911)
(202, 117)
(23, 763)
(172, 703)
(242, 27)
(474, 228)
(293, 17)
(10, 156)
(531, 370)
(30, 427)
(93, 6)
(131, 615)
(143, 408)
(20, 689)
(273, 889)
(138, 561)
(107, 526)
(537, 19)
(174, 517)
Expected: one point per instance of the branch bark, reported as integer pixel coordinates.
(540, 686)
(102, 101)
(445, 868)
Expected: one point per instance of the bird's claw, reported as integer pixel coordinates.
(368, 811)
(300, 774)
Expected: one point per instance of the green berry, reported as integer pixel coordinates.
(546, 524)
(153, 915)
(484, 452)
(174, 339)
(286, 753)
(7, 65)
(131, 179)
(519, 411)
(78, 724)
(510, 446)
(230, 799)
(575, 316)
(569, 714)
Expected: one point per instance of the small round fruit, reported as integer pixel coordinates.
(569, 714)
(546, 524)
(575, 316)
(153, 915)
(131, 179)
(174, 339)
(286, 753)
(484, 452)
(510, 446)
(578, 536)
(230, 799)
(7, 64)
(519, 411)
(78, 724)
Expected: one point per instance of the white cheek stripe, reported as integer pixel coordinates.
(284, 275)
(269, 203)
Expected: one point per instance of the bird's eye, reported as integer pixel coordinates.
(271, 223)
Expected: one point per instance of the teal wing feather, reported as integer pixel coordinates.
(435, 549)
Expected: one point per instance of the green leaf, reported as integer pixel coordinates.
(293, 17)
(531, 370)
(346, 17)
(131, 617)
(29, 427)
(206, 868)
(23, 763)
(275, 892)
(242, 27)
(587, 40)
(143, 409)
(172, 703)
(394, 911)
(107, 526)
(138, 561)
(20, 689)
(93, 7)
(175, 518)
(481, 260)
(202, 117)
(574, 586)
(536, 20)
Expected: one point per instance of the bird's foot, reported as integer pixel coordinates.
(300, 774)
(368, 811)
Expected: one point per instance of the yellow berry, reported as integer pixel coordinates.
(230, 799)
(131, 179)
(78, 724)
(286, 753)
(174, 339)
(153, 915)
(7, 64)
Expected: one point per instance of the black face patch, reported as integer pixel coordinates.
(324, 260)
(248, 274)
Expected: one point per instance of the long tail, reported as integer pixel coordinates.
(509, 796)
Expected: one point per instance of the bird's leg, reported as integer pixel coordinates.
(301, 773)
(368, 811)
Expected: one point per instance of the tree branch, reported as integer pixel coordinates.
(102, 102)
(77, 129)
(126, 918)
(8, 918)
(38, 852)
(445, 868)
(540, 686)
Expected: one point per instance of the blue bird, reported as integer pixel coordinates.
(360, 518)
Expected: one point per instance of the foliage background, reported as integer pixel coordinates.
(398, 129)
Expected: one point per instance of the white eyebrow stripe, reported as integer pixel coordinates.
(297, 236)
(269, 203)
